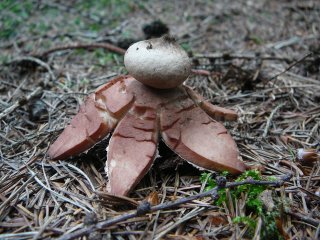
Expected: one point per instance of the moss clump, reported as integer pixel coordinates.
(254, 205)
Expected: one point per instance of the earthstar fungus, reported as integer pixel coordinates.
(141, 108)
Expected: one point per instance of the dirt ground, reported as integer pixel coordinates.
(261, 58)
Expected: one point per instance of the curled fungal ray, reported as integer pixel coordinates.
(139, 114)
(189, 132)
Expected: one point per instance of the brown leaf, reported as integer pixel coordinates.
(217, 218)
(282, 231)
(153, 198)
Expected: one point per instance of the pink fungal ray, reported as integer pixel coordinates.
(139, 115)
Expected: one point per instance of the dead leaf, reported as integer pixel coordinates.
(153, 198)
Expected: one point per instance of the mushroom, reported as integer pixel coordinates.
(144, 107)
(159, 62)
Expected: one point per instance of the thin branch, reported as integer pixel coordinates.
(265, 132)
(290, 66)
(37, 61)
(310, 220)
(107, 46)
(168, 205)
(201, 72)
(21, 102)
(245, 56)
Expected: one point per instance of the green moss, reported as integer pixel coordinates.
(256, 39)
(104, 57)
(12, 14)
(186, 47)
(251, 223)
(254, 205)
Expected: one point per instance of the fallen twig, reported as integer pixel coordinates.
(144, 208)
(107, 46)
(265, 132)
(299, 216)
(201, 72)
(289, 67)
(245, 56)
(290, 41)
(21, 102)
(37, 61)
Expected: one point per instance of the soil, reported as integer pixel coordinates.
(260, 58)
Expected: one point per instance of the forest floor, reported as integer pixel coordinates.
(261, 58)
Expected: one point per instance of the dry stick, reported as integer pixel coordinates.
(257, 232)
(294, 76)
(122, 51)
(168, 205)
(288, 68)
(265, 132)
(312, 221)
(21, 102)
(107, 46)
(244, 56)
(36, 60)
